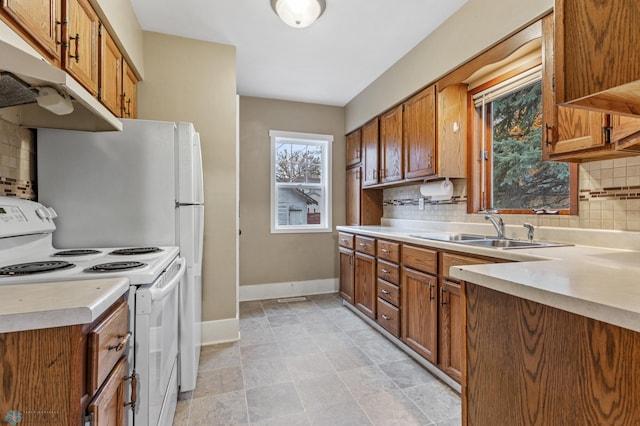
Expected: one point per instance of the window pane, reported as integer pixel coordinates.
(299, 206)
(520, 178)
(298, 163)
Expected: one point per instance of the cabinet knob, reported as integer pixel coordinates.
(384, 271)
(385, 291)
(124, 339)
(386, 317)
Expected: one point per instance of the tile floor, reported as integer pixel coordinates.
(312, 363)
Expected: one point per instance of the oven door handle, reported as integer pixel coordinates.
(160, 293)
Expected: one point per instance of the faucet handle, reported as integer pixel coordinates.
(530, 230)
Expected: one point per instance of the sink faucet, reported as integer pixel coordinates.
(530, 230)
(497, 223)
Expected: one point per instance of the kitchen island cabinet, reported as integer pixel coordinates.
(535, 364)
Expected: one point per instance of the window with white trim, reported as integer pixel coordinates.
(300, 182)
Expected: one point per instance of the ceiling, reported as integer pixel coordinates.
(329, 63)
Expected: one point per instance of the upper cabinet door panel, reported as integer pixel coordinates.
(110, 73)
(452, 132)
(419, 133)
(39, 20)
(391, 145)
(129, 93)
(81, 58)
(354, 141)
(370, 138)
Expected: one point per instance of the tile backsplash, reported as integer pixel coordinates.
(609, 198)
(17, 161)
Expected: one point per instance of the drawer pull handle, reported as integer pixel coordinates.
(385, 291)
(384, 271)
(362, 244)
(388, 318)
(442, 300)
(344, 240)
(134, 390)
(430, 292)
(124, 339)
(77, 55)
(385, 250)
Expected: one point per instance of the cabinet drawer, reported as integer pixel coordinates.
(388, 250)
(389, 292)
(345, 240)
(107, 342)
(107, 406)
(420, 259)
(389, 317)
(388, 272)
(450, 259)
(366, 245)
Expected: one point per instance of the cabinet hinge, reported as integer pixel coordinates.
(88, 420)
(100, 30)
(99, 92)
(607, 134)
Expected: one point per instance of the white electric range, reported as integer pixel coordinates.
(27, 256)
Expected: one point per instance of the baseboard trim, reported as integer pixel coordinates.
(287, 289)
(220, 331)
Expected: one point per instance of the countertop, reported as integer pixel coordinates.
(57, 304)
(596, 282)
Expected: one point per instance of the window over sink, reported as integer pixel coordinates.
(300, 182)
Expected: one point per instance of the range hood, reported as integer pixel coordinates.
(19, 59)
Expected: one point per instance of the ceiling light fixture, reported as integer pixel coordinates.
(298, 13)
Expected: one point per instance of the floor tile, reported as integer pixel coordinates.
(264, 372)
(322, 392)
(436, 400)
(313, 316)
(256, 336)
(343, 414)
(298, 346)
(347, 359)
(251, 309)
(254, 323)
(307, 366)
(333, 341)
(367, 381)
(261, 351)
(273, 401)
(289, 331)
(406, 373)
(321, 327)
(226, 409)
(215, 359)
(298, 419)
(302, 307)
(393, 408)
(381, 352)
(218, 381)
(181, 417)
(273, 307)
(282, 320)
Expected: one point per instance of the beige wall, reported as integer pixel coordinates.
(191, 80)
(274, 258)
(472, 29)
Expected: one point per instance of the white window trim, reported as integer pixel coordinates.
(327, 171)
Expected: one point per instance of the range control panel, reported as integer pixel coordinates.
(11, 214)
(23, 217)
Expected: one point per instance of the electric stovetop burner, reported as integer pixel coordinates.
(35, 268)
(115, 266)
(136, 251)
(76, 252)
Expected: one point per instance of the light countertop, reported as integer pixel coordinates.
(596, 282)
(57, 304)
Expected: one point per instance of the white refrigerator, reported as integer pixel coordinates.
(140, 186)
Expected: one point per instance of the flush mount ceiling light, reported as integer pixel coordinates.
(298, 13)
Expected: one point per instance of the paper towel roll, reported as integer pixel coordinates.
(437, 191)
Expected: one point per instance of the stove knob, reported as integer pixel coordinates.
(42, 213)
(52, 213)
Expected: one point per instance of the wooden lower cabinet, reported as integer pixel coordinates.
(389, 317)
(420, 312)
(528, 363)
(451, 330)
(49, 374)
(365, 284)
(347, 273)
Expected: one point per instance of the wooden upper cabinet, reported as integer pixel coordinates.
(452, 131)
(129, 97)
(353, 176)
(110, 73)
(391, 145)
(419, 134)
(38, 21)
(354, 146)
(370, 140)
(81, 57)
(597, 60)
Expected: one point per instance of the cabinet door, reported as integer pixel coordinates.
(129, 92)
(353, 196)
(39, 20)
(354, 141)
(419, 134)
(452, 131)
(391, 145)
(347, 270)
(365, 284)
(108, 406)
(625, 133)
(370, 138)
(81, 58)
(419, 293)
(452, 312)
(110, 73)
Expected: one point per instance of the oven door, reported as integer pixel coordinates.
(156, 353)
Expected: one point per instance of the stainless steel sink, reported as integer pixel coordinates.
(505, 244)
(449, 237)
